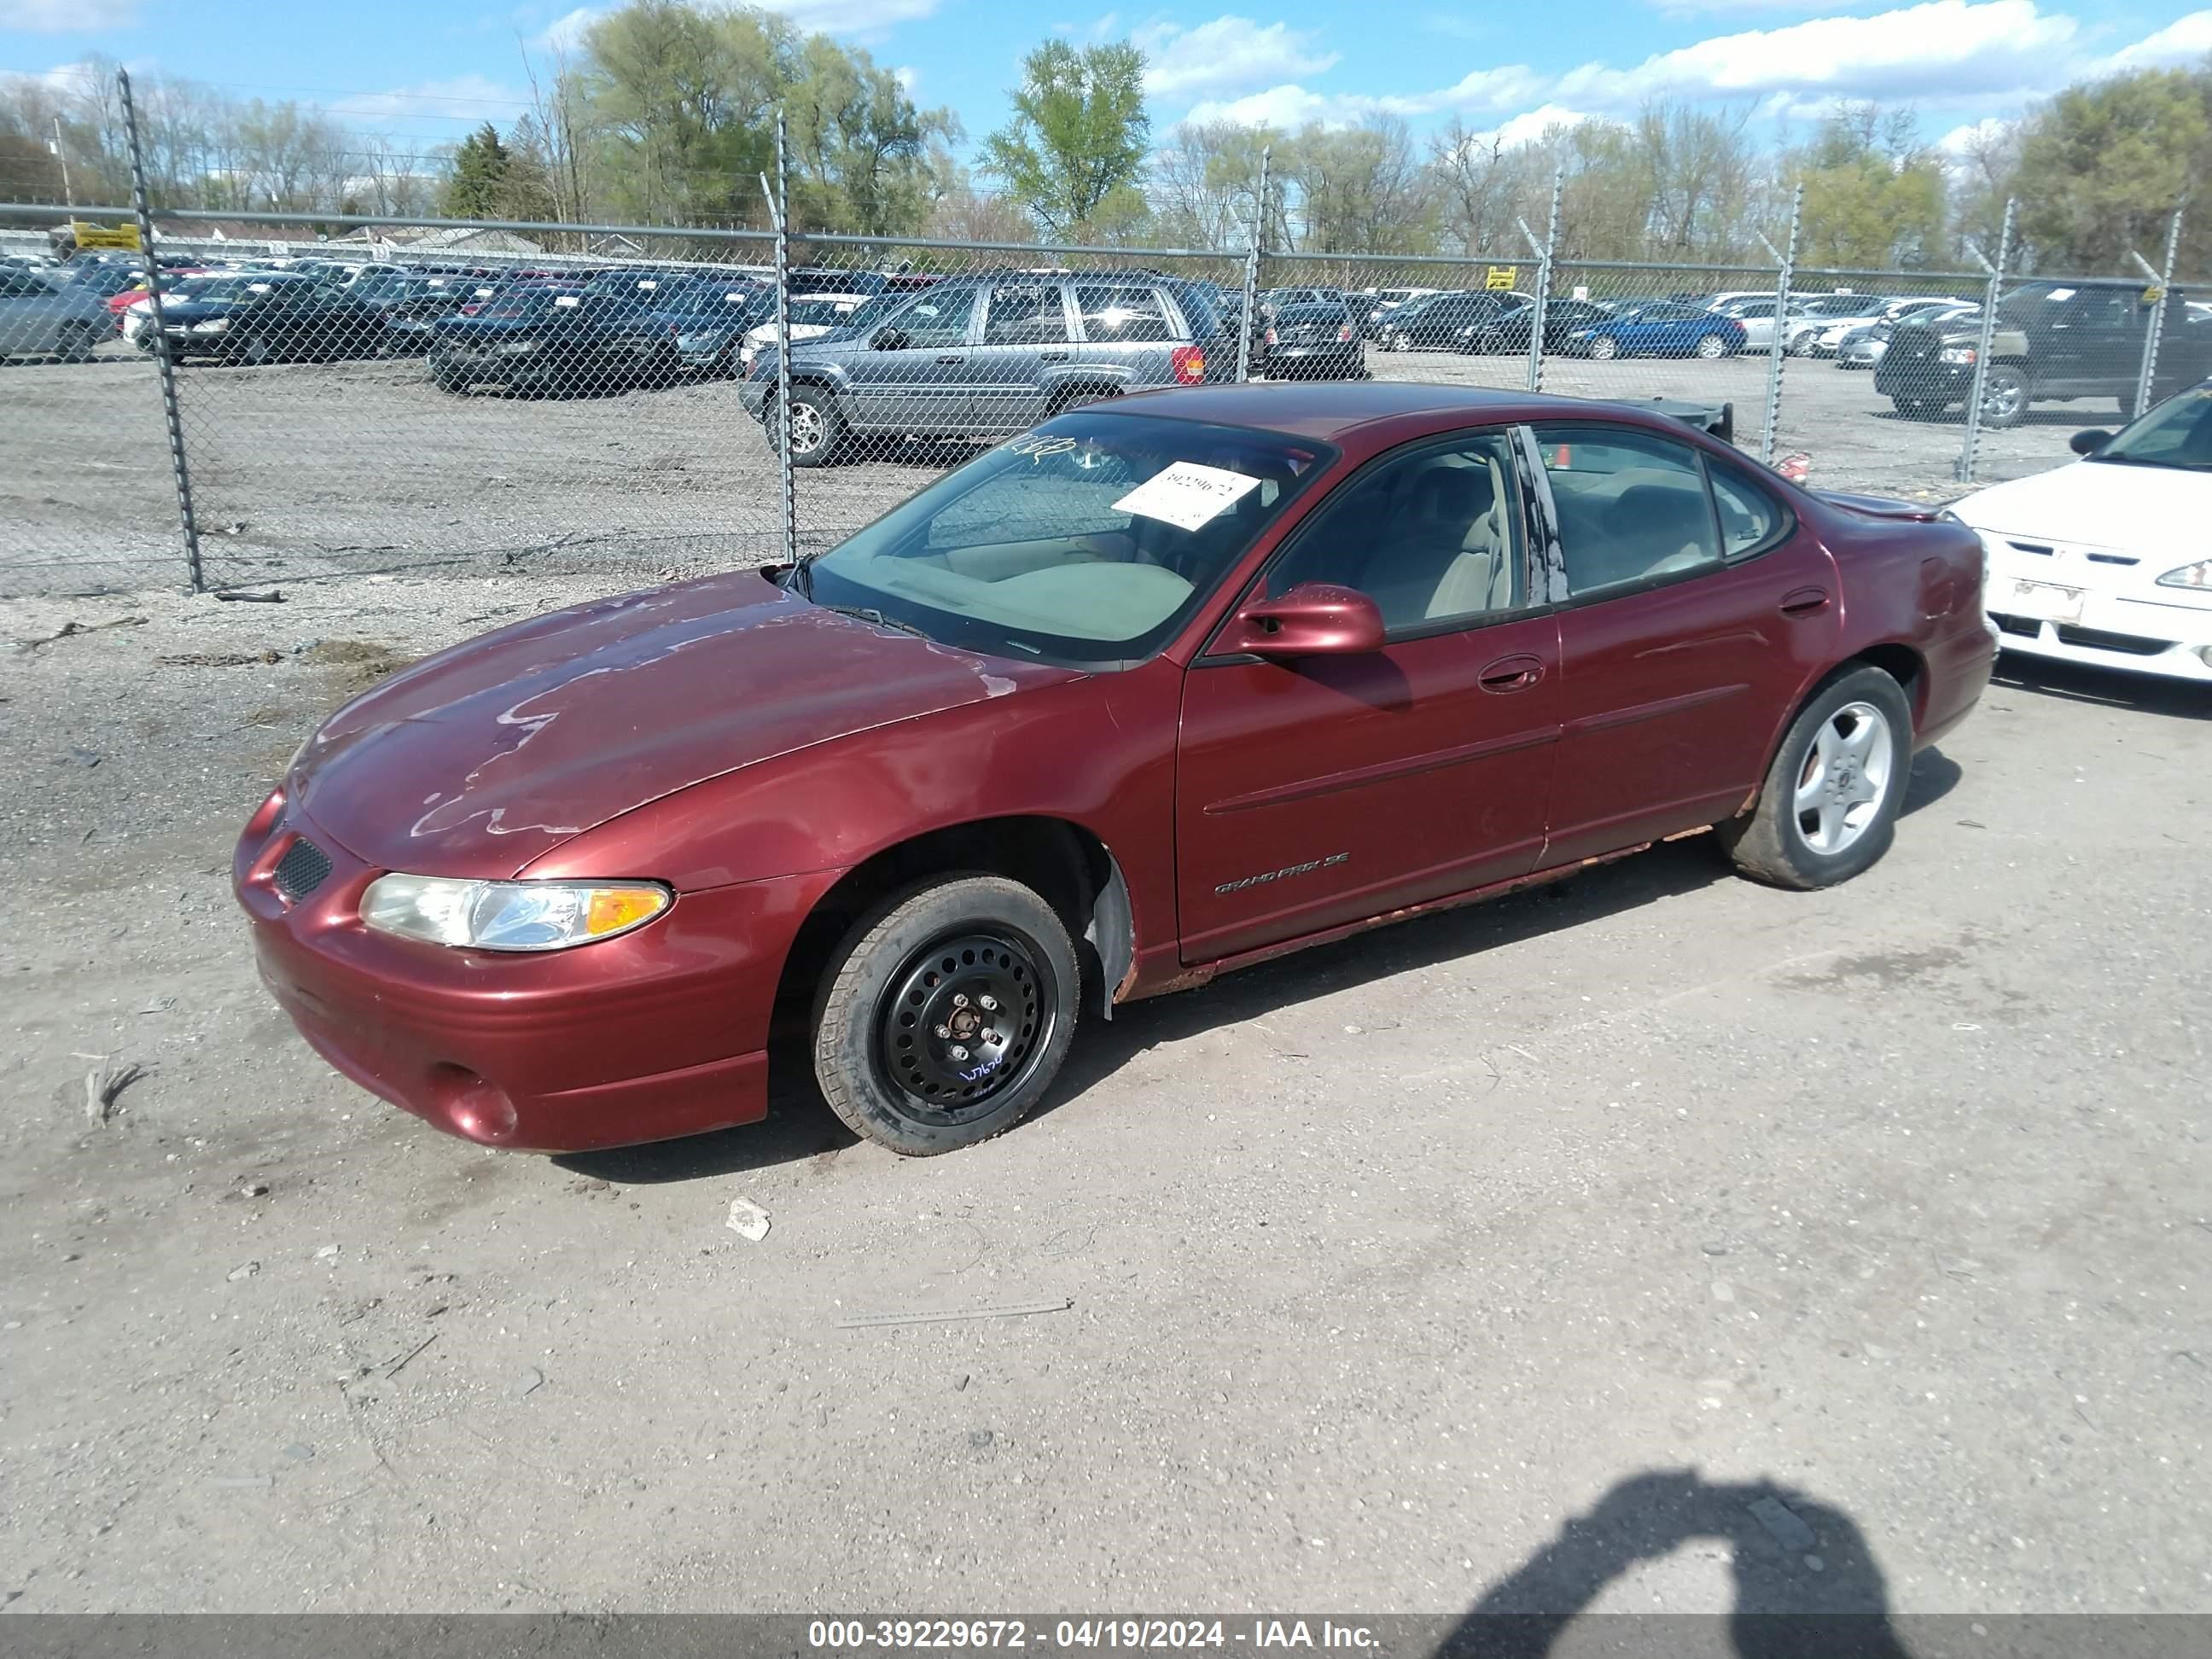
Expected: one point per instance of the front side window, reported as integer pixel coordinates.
(1633, 508)
(934, 319)
(1088, 541)
(1431, 537)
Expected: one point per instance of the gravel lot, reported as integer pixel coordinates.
(310, 470)
(1384, 1262)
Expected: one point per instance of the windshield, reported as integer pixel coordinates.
(821, 314)
(1087, 542)
(524, 302)
(235, 288)
(2177, 433)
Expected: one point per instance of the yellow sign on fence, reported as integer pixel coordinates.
(91, 235)
(1500, 278)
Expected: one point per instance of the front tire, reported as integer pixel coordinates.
(1829, 807)
(818, 429)
(946, 1014)
(1604, 349)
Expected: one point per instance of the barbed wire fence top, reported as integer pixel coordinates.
(296, 395)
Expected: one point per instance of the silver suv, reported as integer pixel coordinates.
(981, 356)
(42, 319)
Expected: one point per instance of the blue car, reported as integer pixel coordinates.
(1661, 328)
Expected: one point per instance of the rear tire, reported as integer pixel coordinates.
(1828, 807)
(78, 346)
(1710, 346)
(983, 959)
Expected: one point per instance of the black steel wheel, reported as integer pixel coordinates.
(945, 1013)
(961, 1021)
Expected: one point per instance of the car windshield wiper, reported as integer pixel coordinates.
(876, 616)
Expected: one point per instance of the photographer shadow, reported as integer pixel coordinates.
(1806, 1586)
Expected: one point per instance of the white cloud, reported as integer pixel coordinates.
(1945, 48)
(1688, 8)
(1478, 90)
(1287, 107)
(2186, 39)
(1532, 125)
(67, 16)
(908, 76)
(464, 98)
(566, 32)
(1225, 54)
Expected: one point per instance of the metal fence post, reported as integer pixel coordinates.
(780, 210)
(2163, 278)
(164, 363)
(1970, 451)
(1544, 255)
(1252, 272)
(1776, 350)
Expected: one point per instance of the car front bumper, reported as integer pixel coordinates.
(656, 1033)
(1926, 378)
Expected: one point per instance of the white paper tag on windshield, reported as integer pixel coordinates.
(1187, 496)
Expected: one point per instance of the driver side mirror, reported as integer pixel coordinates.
(1314, 619)
(891, 339)
(2090, 442)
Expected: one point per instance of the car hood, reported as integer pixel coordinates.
(198, 311)
(2144, 510)
(477, 761)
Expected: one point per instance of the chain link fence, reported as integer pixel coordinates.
(294, 399)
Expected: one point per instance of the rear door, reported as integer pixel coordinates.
(2091, 339)
(1028, 343)
(1125, 326)
(1692, 607)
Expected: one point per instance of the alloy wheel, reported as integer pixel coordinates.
(1710, 346)
(1845, 775)
(963, 1020)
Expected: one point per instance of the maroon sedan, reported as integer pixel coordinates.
(1170, 685)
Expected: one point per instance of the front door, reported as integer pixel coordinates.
(1318, 791)
(1694, 607)
(912, 373)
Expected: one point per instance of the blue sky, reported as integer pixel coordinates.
(429, 69)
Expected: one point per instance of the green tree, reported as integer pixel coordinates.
(477, 186)
(2103, 166)
(1079, 136)
(1873, 196)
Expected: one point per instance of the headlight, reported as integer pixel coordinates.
(1958, 356)
(509, 915)
(514, 347)
(213, 325)
(2197, 575)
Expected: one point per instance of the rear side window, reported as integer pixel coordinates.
(1123, 315)
(1632, 506)
(1750, 519)
(1025, 314)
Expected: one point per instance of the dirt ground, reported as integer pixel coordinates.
(1644, 1200)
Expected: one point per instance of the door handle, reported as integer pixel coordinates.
(1053, 356)
(1804, 602)
(954, 358)
(1511, 674)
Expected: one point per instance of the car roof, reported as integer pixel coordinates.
(1334, 411)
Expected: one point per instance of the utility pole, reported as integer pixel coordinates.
(69, 196)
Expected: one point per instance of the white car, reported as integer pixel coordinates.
(2105, 561)
(811, 318)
